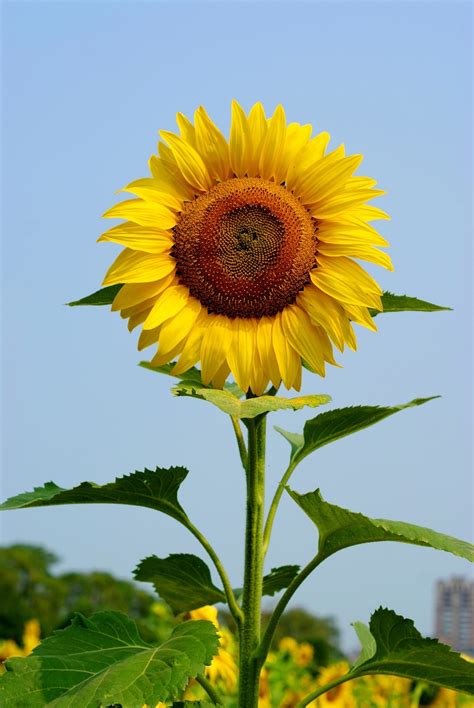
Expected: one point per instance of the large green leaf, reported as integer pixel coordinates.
(156, 489)
(103, 661)
(340, 528)
(182, 580)
(405, 303)
(333, 425)
(227, 402)
(104, 296)
(393, 645)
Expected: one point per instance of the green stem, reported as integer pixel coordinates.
(240, 442)
(235, 610)
(210, 690)
(261, 653)
(323, 689)
(274, 506)
(253, 574)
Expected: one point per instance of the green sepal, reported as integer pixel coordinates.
(182, 580)
(231, 404)
(156, 489)
(104, 296)
(340, 528)
(392, 645)
(103, 661)
(405, 303)
(338, 423)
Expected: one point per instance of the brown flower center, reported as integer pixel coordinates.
(245, 248)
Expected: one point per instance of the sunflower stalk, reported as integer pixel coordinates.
(253, 574)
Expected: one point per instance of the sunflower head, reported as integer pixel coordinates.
(239, 254)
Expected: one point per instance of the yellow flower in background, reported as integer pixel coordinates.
(223, 667)
(239, 253)
(289, 645)
(340, 696)
(305, 654)
(30, 640)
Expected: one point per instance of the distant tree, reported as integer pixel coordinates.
(29, 590)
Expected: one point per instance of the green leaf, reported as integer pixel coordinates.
(340, 528)
(338, 423)
(393, 645)
(153, 489)
(405, 303)
(279, 579)
(182, 580)
(103, 661)
(250, 408)
(104, 296)
(193, 704)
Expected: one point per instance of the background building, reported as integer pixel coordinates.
(454, 621)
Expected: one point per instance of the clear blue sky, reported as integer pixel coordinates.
(87, 86)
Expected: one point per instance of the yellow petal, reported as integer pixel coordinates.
(189, 162)
(345, 280)
(272, 149)
(169, 178)
(364, 253)
(327, 313)
(258, 377)
(186, 129)
(168, 305)
(288, 360)
(139, 238)
(135, 293)
(240, 141)
(310, 156)
(258, 127)
(212, 146)
(138, 267)
(215, 344)
(137, 319)
(337, 205)
(153, 190)
(330, 180)
(175, 330)
(241, 353)
(297, 136)
(138, 308)
(147, 338)
(163, 357)
(360, 315)
(303, 337)
(143, 213)
(220, 377)
(192, 349)
(352, 231)
(266, 351)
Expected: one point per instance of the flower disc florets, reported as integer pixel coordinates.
(245, 248)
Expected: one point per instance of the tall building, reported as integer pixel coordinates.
(454, 621)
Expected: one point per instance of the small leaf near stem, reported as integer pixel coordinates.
(210, 690)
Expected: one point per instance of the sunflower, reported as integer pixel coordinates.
(240, 254)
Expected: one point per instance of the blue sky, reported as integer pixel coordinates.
(87, 86)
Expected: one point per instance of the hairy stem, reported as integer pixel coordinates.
(235, 610)
(253, 574)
